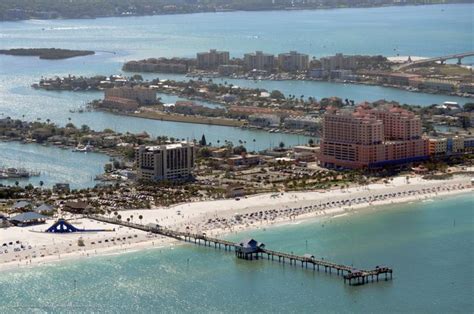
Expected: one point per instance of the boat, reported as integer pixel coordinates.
(83, 149)
(14, 173)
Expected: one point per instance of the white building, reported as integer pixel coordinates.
(439, 85)
(264, 120)
(303, 123)
(165, 162)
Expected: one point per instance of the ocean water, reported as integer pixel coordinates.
(414, 30)
(429, 244)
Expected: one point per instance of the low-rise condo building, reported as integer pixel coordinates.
(469, 145)
(244, 160)
(229, 69)
(303, 123)
(438, 147)
(264, 120)
(122, 104)
(446, 146)
(455, 145)
(142, 95)
(439, 85)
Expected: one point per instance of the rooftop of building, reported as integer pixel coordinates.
(292, 53)
(306, 148)
(120, 100)
(303, 118)
(366, 112)
(28, 216)
(244, 156)
(169, 146)
(213, 51)
(259, 53)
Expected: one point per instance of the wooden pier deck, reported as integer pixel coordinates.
(351, 275)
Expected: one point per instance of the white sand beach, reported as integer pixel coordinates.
(29, 246)
(403, 59)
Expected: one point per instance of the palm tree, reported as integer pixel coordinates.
(119, 217)
(140, 217)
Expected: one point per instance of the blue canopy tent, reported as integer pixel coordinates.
(62, 226)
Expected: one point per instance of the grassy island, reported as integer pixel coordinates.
(47, 53)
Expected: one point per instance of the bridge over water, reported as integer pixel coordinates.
(441, 59)
(351, 275)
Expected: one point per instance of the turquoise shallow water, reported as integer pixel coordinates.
(429, 244)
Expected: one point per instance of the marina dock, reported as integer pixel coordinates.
(251, 249)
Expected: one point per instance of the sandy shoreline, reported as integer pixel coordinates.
(217, 218)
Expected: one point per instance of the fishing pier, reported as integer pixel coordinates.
(250, 249)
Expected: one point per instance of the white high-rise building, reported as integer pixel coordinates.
(173, 162)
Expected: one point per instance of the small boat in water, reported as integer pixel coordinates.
(13, 173)
(83, 149)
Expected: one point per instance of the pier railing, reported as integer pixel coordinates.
(351, 275)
